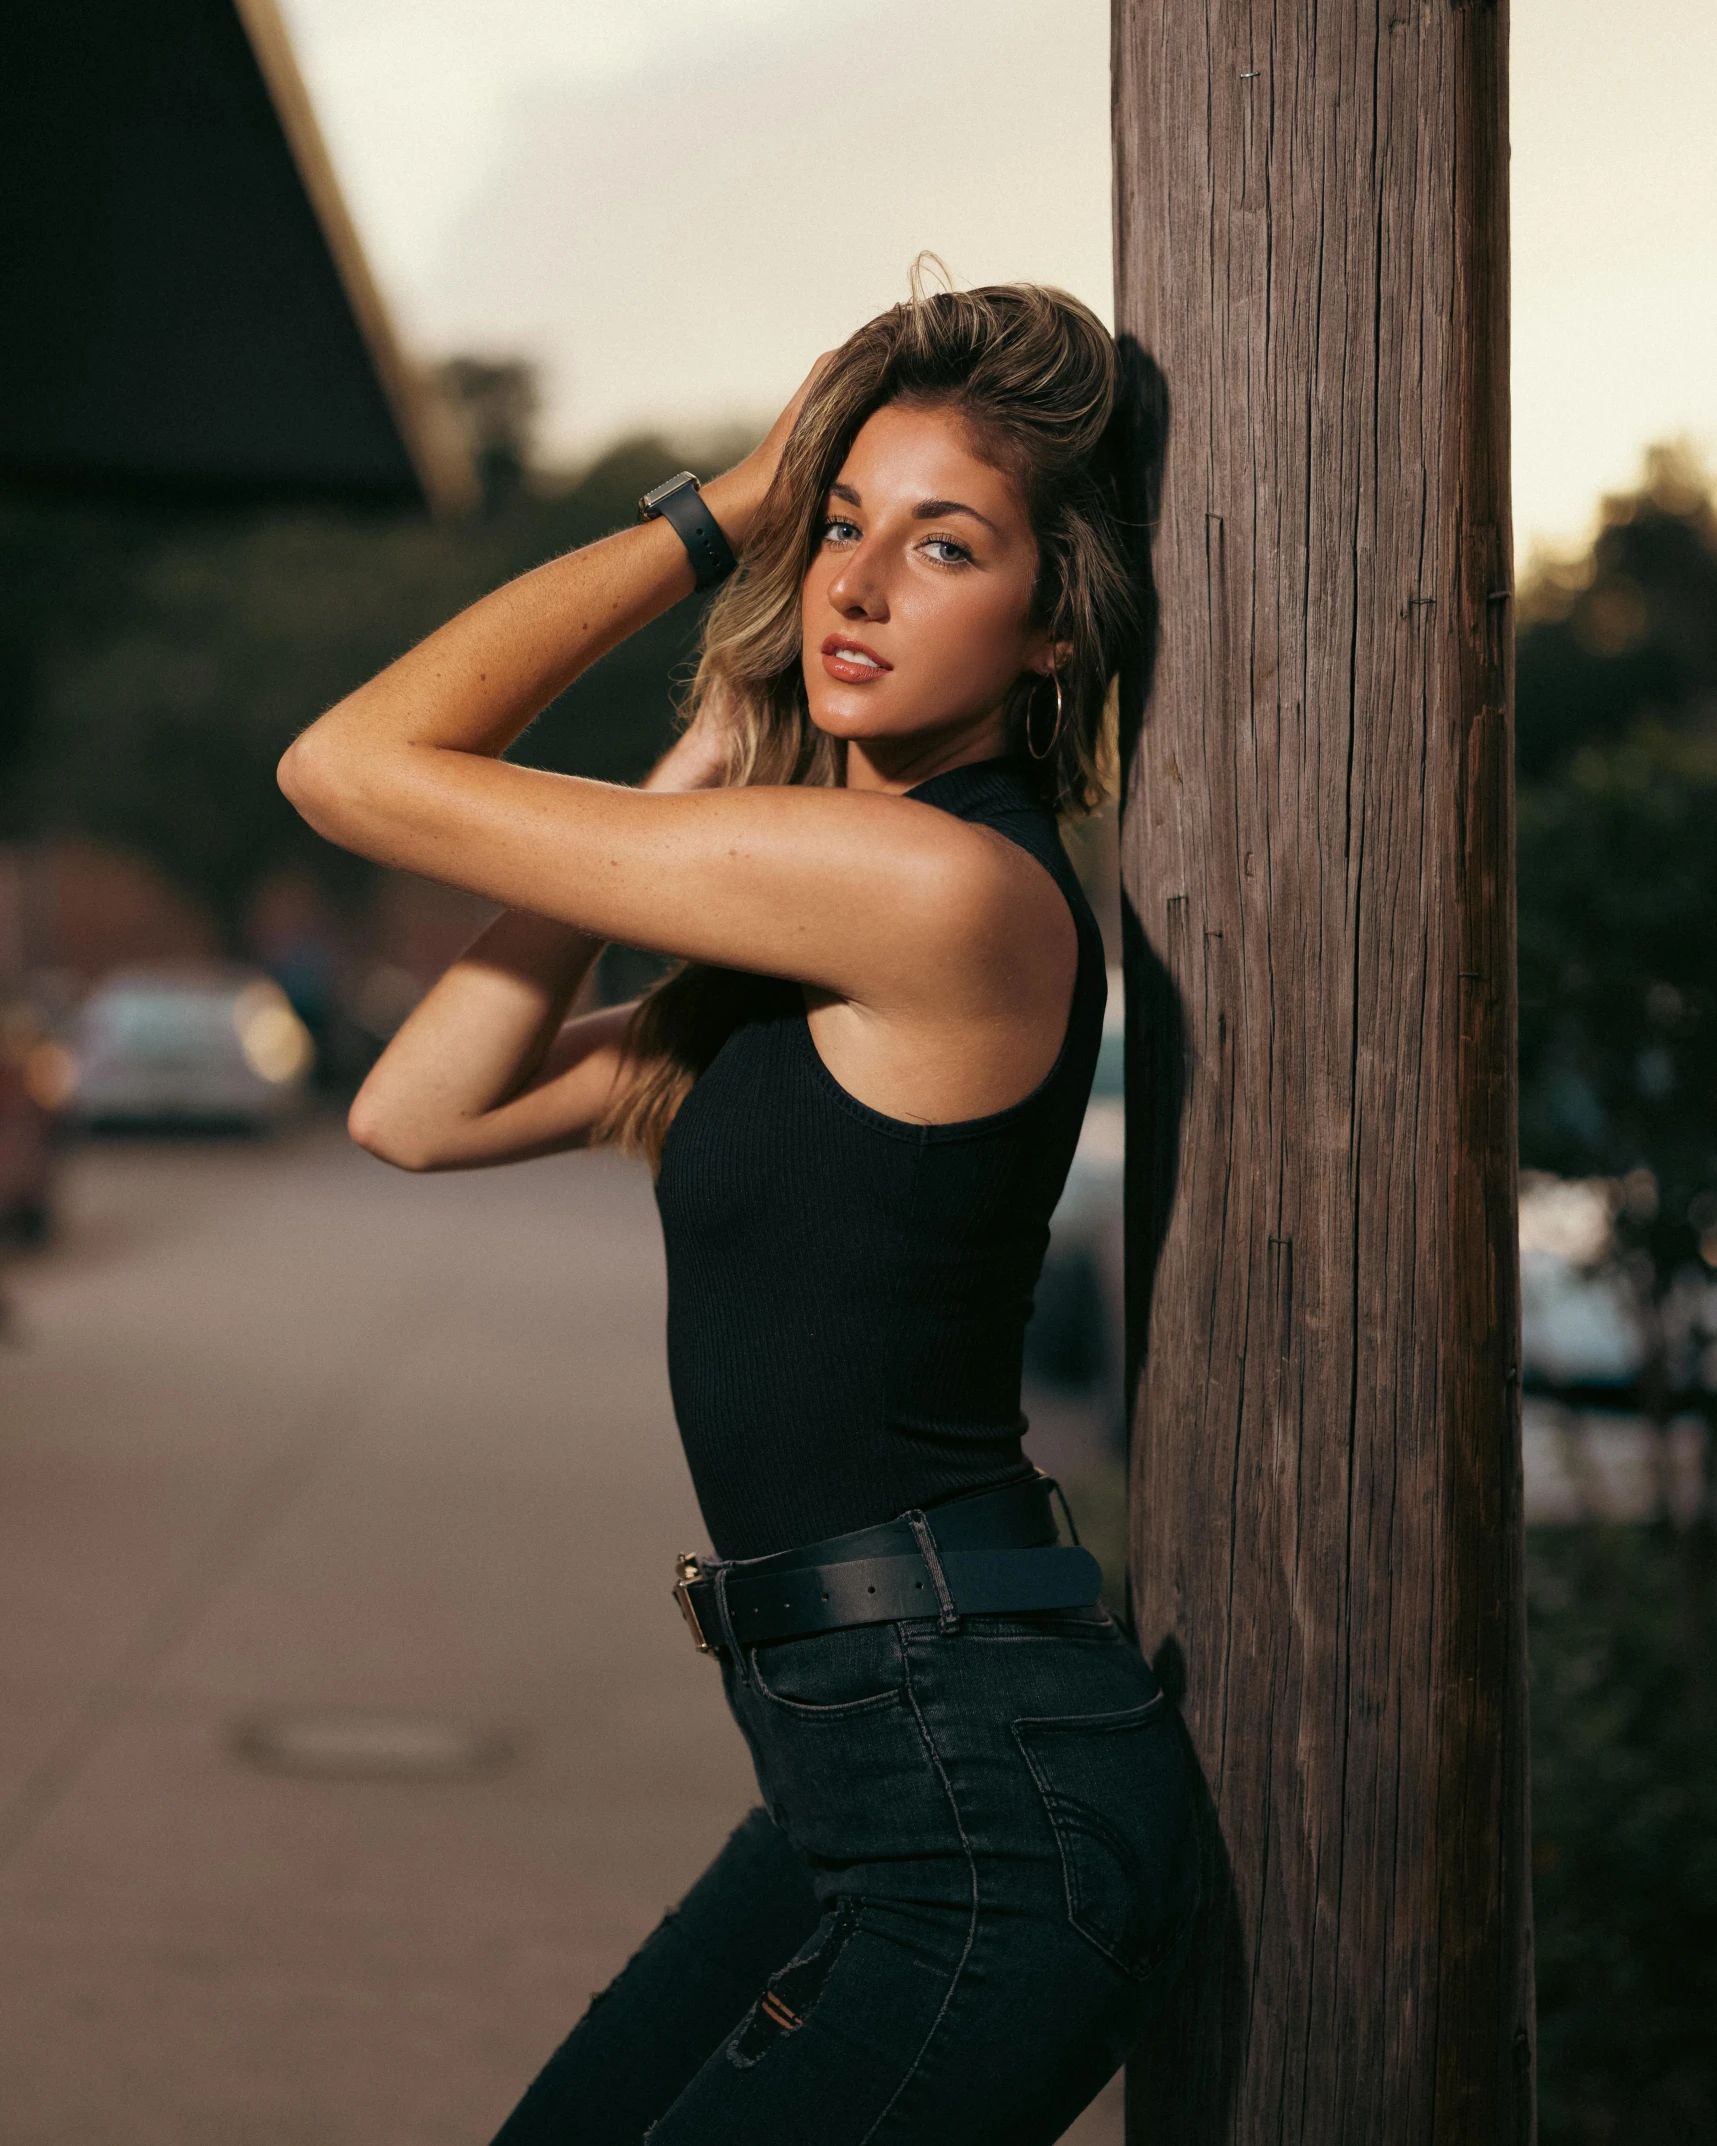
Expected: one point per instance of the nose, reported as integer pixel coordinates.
(857, 587)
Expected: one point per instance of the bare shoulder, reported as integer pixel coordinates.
(972, 1016)
(943, 919)
(1003, 942)
(974, 867)
(984, 895)
(1002, 885)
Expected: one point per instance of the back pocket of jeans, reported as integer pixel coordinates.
(1115, 1791)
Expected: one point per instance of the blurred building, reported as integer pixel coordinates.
(185, 301)
(185, 312)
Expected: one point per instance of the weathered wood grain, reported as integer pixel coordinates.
(1311, 243)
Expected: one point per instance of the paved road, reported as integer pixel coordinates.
(281, 1430)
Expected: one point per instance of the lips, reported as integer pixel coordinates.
(851, 662)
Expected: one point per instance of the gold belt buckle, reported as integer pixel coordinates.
(688, 1569)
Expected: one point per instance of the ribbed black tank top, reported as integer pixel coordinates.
(848, 1292)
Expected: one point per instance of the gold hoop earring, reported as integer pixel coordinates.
(1055, 734)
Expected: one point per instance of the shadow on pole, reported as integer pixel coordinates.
(1187, 2062)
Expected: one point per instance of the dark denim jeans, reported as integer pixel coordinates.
(973, 1877)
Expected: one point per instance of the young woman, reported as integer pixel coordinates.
(861, 1094)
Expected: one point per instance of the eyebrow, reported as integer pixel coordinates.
(927, 510)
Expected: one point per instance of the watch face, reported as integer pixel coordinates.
(652, 500)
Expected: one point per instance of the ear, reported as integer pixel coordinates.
(1049, 657)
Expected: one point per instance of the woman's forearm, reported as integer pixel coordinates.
(492, 1027)
(828, 886)
(478, 681)
(479, 1036)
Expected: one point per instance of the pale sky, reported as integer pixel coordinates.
(673, 205)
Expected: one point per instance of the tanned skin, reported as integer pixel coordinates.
(937, 957)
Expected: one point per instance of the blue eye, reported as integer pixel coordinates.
(951, 554)
(840, 531)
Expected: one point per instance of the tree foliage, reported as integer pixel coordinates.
(1617, 724)
(155, 660)
(1624, 1822)
(1617, 713)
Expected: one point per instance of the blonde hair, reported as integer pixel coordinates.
(1034, 376)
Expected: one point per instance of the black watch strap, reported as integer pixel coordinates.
(682, 506)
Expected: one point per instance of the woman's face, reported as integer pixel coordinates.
(917, 602)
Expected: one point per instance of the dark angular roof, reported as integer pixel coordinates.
(183, 301)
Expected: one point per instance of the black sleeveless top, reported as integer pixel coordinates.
(848, 1292)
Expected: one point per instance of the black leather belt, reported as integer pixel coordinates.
(995, 1552)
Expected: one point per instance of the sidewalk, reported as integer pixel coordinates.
(285, 1433)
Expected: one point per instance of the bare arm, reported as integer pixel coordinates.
(919, 937)
(487, 1069)
(483, 1070)
(866, 896)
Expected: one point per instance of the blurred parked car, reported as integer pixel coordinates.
(1580, 1325)
(1075, 1338)
(35, 1080)
(190, 1046)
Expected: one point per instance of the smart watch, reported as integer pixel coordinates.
(680, 504)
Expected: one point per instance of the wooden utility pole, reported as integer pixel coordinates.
(1311, 244)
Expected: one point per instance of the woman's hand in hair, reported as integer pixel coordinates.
(735, 496)
(698, 759)
(937, 956)
(474, 685)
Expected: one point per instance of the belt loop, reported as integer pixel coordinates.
(1067, 1509)
(948, 1617)
(724, 1616)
